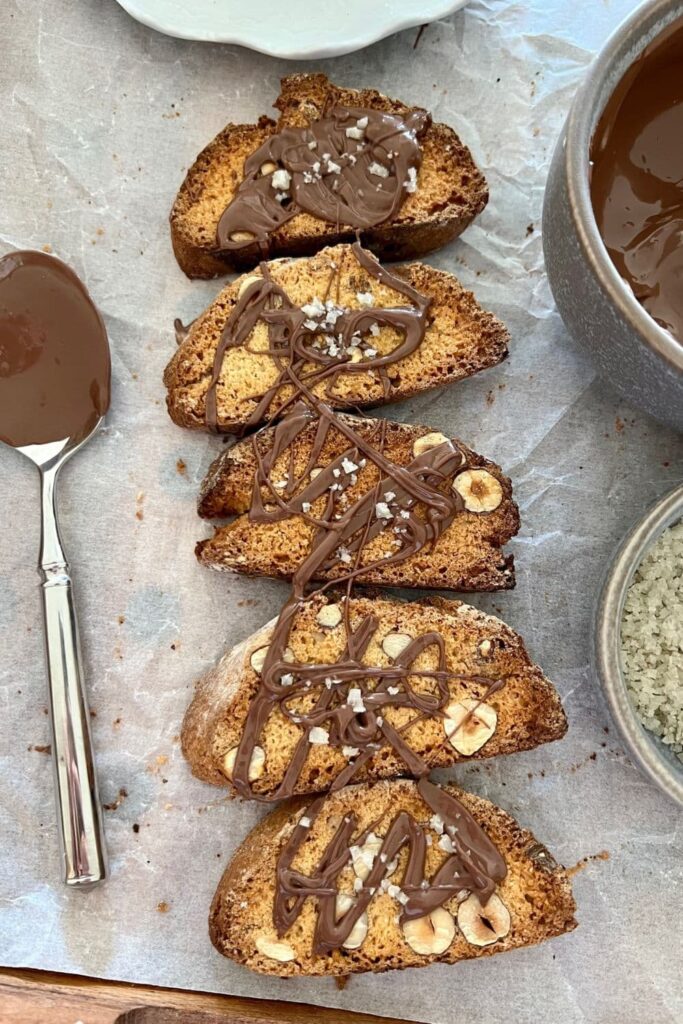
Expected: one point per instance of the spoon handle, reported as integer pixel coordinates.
(78, 805)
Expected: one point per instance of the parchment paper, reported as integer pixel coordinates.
(100, 118)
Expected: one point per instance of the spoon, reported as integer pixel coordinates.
(54, 391)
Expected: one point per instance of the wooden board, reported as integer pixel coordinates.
(37, 997)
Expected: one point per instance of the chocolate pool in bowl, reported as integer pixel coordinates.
(637, 178)
(604, 299)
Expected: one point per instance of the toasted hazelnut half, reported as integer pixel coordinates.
(257, 764)
(432, 933)
(356, 936)
(427, 441)
(274, 949)
(480, 491)
(330, 615)
(363, 857)
(258, 659)
(395, 644)
(469, 724)
(268, 167)
(483, 926)
(242, 236)
(247, 283)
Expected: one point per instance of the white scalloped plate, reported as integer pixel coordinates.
(295, 28)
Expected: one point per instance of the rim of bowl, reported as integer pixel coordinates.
(606, 646)
(630, 38)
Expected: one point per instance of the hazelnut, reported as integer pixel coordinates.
(395, 644)
(330, 615)
(427, 441)
(363, 857)
(258, 659)
(356, 936)
(257, 764)
(483, 926)
(479, 490)
(275, 949)
(469, 724)
(247, 283)
(431, 934)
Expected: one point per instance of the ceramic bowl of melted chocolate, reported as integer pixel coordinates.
(613, 212)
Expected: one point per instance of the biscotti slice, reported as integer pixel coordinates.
(465, 556)
(438, 682)
(427, 185)
(391, 875)
(458, 339)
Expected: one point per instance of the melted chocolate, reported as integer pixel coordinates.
(417, 502)
(474, 865)
(637, 178)
(330, 340)
(54, 354)
(353, 166)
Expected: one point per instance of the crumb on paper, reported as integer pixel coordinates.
(529, 229)
(619, 424)
(585, 861)
(47, 248)
(41, 748)
(136, 827)
(163, 907)
(181, 467)
(121, 619)
(117, 801)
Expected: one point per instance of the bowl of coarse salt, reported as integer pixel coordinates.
(638, 642)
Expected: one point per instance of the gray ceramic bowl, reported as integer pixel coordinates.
(643, 361)
(654, 757)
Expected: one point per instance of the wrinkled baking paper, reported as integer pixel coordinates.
(100, 118)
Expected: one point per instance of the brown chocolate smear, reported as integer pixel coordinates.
(415, 502)
(54, 355)
(330, 340)
(637, 178)
(353, 166)
(473, 864)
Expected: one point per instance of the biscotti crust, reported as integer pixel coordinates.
(536, 890)
(451, 190)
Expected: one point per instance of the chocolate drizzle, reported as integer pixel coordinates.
(474, 865)
(414, 503)
(331, 341)
(353, 166)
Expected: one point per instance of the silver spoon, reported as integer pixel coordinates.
(54, 391)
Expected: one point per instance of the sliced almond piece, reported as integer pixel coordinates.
(242, 236)
(316, 471)
(427, 441)
(395, 644)
(480, 491)
(363, 857)
(257, 764)
(247, 283)
(356, 936)
(274, 949)
(330, 615)
(469, 734)
(430, 934)
(268, 167)
(485, 648)
(483, 926)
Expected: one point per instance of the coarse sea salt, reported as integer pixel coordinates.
(652, 639)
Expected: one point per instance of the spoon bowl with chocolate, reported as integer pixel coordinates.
(613, 212)
(54, 391)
